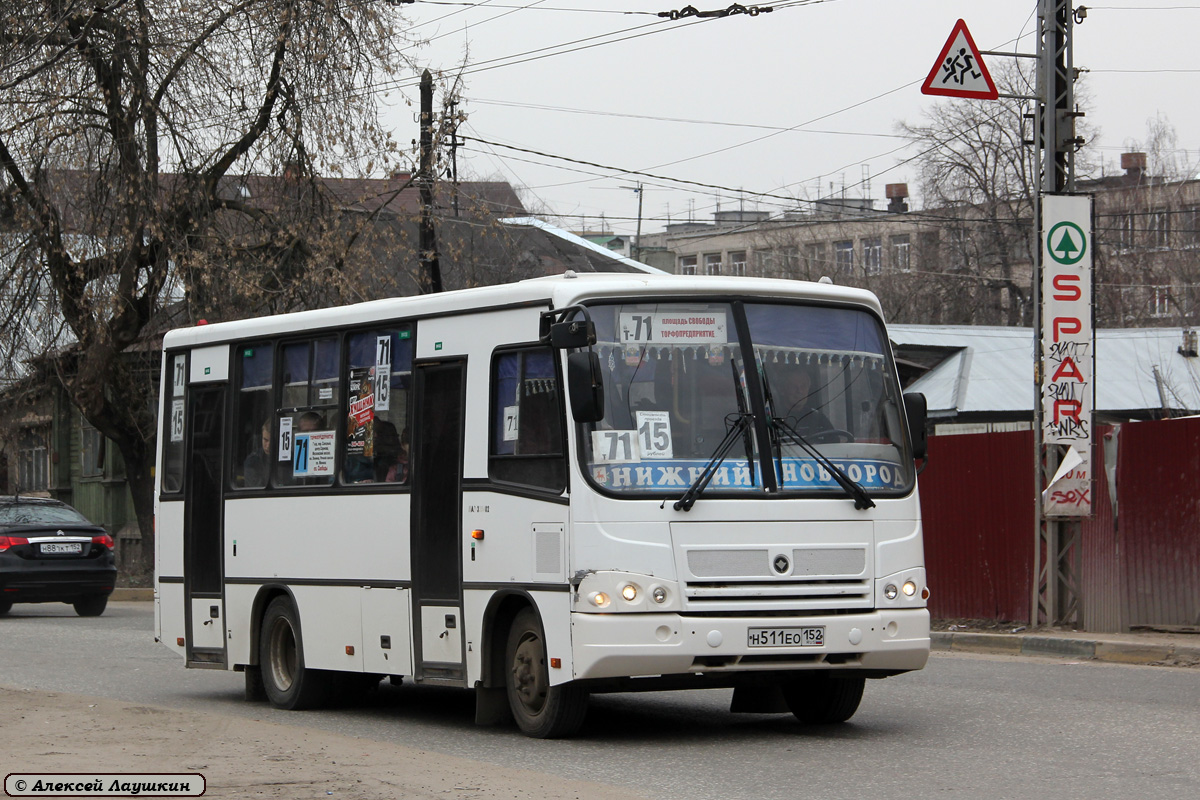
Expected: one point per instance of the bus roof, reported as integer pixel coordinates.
(557, 291)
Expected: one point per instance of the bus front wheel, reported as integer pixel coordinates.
(818, 698)
(288, 683)
(540, 710)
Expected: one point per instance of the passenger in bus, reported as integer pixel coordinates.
(796, 400)
(257, 465)
(311, 421)
(391, 453)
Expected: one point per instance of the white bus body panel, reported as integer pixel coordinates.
(385, 613)
(318, 538)
(210, 364)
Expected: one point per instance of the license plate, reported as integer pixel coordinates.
(809, 636)
(62, 547)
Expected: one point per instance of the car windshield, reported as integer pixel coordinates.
(676, 384)
(40, 513)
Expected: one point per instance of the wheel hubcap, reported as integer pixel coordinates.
(283, 655)
(529, 674)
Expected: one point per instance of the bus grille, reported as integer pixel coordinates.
(817, 579)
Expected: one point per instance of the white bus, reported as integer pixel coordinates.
(545, 490)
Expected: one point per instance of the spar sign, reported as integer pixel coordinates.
(1067, 348)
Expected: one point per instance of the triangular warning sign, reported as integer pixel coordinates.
(960, 71)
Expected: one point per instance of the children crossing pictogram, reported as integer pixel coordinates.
(960, 71)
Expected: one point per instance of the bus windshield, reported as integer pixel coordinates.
(678, 394)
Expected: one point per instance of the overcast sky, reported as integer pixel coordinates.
(797, 102)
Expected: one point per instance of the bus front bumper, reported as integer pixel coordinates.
(632, 645)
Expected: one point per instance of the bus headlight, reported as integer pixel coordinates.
(615, 592)
(909, 588)
(889, 591)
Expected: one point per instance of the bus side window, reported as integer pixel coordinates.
(308, 385)
(527, 420)
(173, 424)
(252, 416)
(378, 376)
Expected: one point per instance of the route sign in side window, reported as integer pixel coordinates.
(527, 420)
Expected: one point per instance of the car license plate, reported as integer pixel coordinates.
(62, 547)
(809, 636)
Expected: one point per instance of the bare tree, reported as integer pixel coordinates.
(977, 170)
(129, 133)
(1148, 233)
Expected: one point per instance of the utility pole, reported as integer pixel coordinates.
(1056, 593)
(431, 272)
(636, 250)
(452, 104)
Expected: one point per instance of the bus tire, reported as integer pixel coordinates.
(288, 683)
(822, 699)
(541, 711)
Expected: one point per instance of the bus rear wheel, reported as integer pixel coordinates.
(822, 699)
(540, 710)
(288, 683)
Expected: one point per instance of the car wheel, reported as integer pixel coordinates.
(541, 710)
(288, 683)
(91, 606)
(821, 699)
(5, 607)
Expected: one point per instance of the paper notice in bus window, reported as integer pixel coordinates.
(360, 421)
(285, 439)
(654, 434)
(383, 372)
(512, 423)
(614, 447)
(312, 454)
(176, 420)
(683, 328)
(179, 376)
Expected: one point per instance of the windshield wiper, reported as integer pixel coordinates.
(861, 498)
(738, 428)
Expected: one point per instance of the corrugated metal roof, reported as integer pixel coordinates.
(990, 369)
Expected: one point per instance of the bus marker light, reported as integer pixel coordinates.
(925, 593)
(179, 642)
(556, 663)
(477, 534)
(349, 649)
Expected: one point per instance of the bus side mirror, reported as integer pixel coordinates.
(916, 409)
(585, 384)
(572, 335)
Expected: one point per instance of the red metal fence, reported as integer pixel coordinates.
(977, 505)
(1158, 531)
(1140, 566)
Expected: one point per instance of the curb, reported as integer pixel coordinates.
(1067, 647)
(131, 594)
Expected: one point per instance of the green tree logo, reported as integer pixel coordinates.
(1066, 243)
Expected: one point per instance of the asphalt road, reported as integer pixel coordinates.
(966, 726)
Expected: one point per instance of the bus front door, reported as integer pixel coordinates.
(437, 466)
(203, 531)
